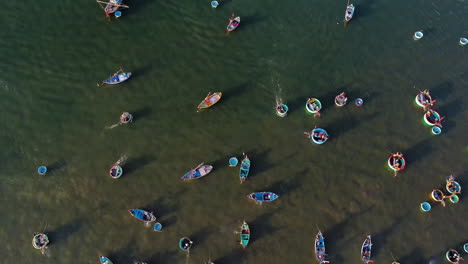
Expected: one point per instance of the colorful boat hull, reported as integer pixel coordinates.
(320, 248)
(319, 136)
(244, 235)
(452, 256)
(185, 243)
(423, 99)
(105, 260)
(244, 169)
(341, 99)
(157, 227)
(142, 215)
(366, 250)
(233, 24)
(40, 241)
(349, 12)
(263, 196)
(116, 171)
(431, 118)
(282, 110)
(452, 186)
(313, 105)
(118, 78)
(210, 100)
(198, 172)
(396, 162)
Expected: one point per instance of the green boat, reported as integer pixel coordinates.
(244, 169)
(245, 235)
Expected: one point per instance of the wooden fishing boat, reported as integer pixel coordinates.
(320, 248)
(453, 256)
(432, 118)
(104, 260)
(396, 162)
(349, 13)
(126, 117)
(438, 196)
(313, 105)
(157, 227)
(142, 215)
(318, 135)
(118, 77)
(40, 241)
(340, 100)
(233, 23)
(366, 250)
(116, 171)
(200, 171)
(424, 99)
(244, 235)
(210, 100)
(185, 243)
(244, 169)
(452, 186)
(282, 110)
(263, 196)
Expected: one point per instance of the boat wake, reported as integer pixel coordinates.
(114, 125)
(121, 160)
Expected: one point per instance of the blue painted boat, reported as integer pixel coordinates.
(452, 186)
(200, 171)
(185, 243)
(42, 170)
(157, 227)
(359, 102)
(40, 241)
(214, 4)
(465, 247)
(244, 169)
(366, 250)
(118, 77)
(426, 207)
(319, 136)
(105, 260)
(263, 196)
(142, 215)
(320, 248)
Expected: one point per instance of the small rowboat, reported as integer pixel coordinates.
(438, 196)
(200, 171)
(313, 105)
(319, 136)
(157, 227)
(116, 171)
(366, 250)
(244, 169)
(185, 243)
(453, 256)
(112, 6)
(463, 41)
(210, 100)
(40, 241)
(432, 118)
(452, 186)
(118, 77)
(418, 35)
(359, 102)
(320, 248)
(105, 260)
(426, 207)
(42, 170)
(263, 196)
(396, 162)
(214, 4)
(349, 12)
(340, 100)
(424, 99)
(126, 117)
(244, 235)
(282, 110)
(142, 215)
(465, 247)
(233, 24)
(233, 162)
(453, 198)
(436, 130)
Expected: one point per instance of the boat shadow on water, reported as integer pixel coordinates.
(286, 186)
(416, 256)
(201, 236)
(418, 151)
(347, 123)
(451, 110)
(141, 113)
(262, 227)
(137, 6)
(442, 91)
(165, 207)
(62, 233)
(380, 239)
(260, 163)
(234, 91)
(134, 164)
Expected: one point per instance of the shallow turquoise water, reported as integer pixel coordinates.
(53, 55)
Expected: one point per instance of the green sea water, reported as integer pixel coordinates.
(53, 53)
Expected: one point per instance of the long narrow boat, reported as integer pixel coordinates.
(320, 248)
(142, 215)
(233, 23)
(210, 100)
(244, 235)
(349, 12)
(341, 99)
(424, 99)
(366, 250)
(200, 171)
(118, 77)
(104, 260)
(185, 243)
(263, 196)
(244, 169)
(40, 240)
(313, 105)
(453, 256)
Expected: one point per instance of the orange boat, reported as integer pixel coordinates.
(210, 100)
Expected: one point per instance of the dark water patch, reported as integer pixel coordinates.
(141, 113)
(259, 162)
(166, 257)
(442, 91)
(289, 184)
(125, 254)
(236, 256)
(201, 235)
(418, 151)
(380, 239)
(166, 205)
(64, 232)
(137, 6)
(56, 166)
(415, 256)
(248, 21)
(451, 109)
(234, 91)
(346, 124)
(134, 164)
(262, 227)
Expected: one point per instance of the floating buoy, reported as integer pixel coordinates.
(358, 102)
(214, 4)
(465, 247)
(157, 227)
(425, 207)
(233, 162)
(418, 35)
(463, 41)
(436, 130)
(454, 198)
(42, 170)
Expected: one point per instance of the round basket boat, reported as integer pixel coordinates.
(437, 195)
(359, 102)
(214, 4)
(118, 14)
(463, 41)
(465, 247)
(418, 35)
(157, 227)
(452, 186)
(425, 207)
(233, 162)
(42, 170)
(396, 162)
(126, 117)
(282, 110)
(431, 118)
(423, 99)
(116, 171)
(436, 130)
(40, 241)
(452, 256)
(313, 105)
(185, 243)
(319, 136)
(341, 99)
(454, 198)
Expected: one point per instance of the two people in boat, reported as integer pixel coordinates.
(147, 216)
(281, 109)
(320, 136)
